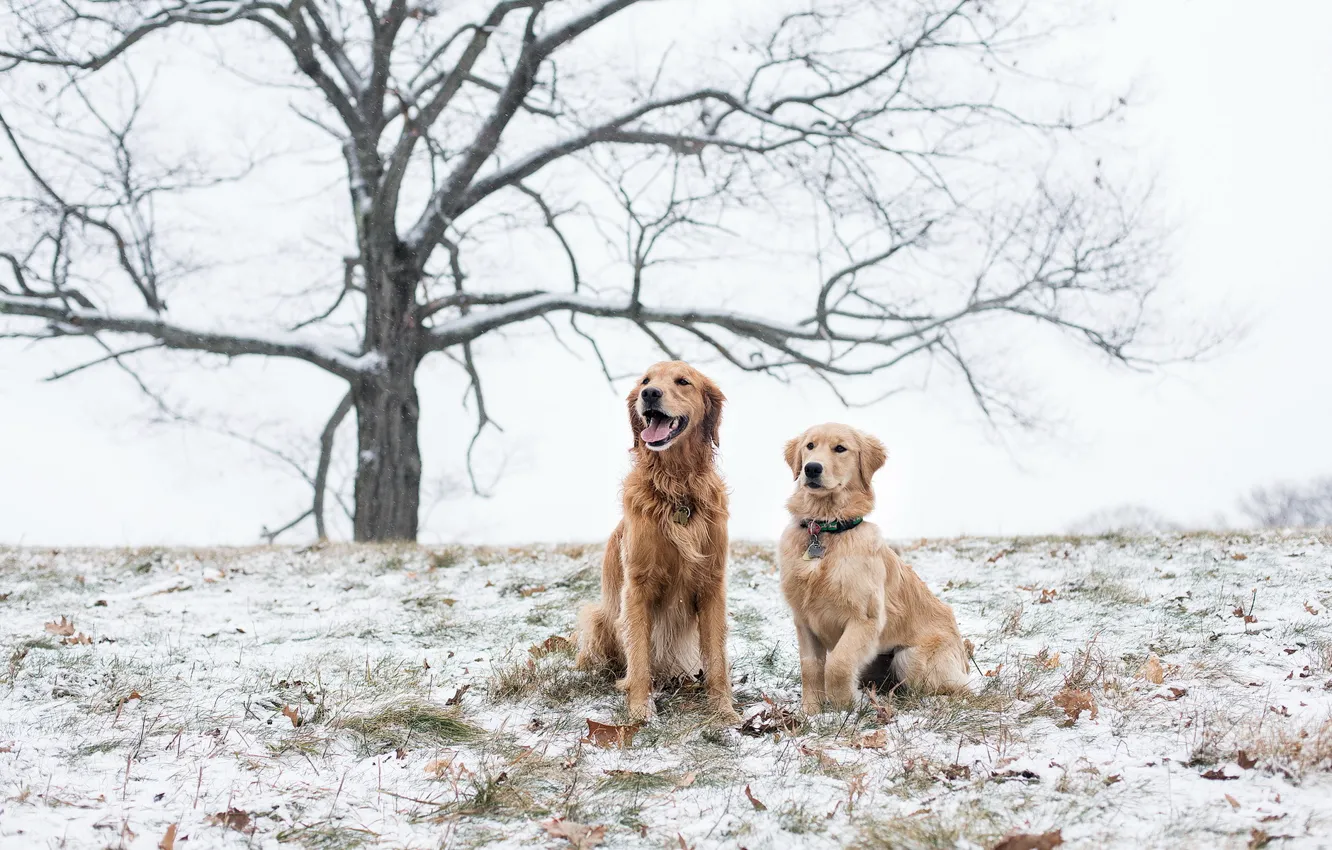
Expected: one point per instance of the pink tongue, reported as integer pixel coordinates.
(659, 430)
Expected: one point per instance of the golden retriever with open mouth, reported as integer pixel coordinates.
(662, 612)
(857, 607)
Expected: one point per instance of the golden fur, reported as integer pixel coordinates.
(859, 600)
(662, 612)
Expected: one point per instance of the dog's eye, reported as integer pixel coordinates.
(810, 447)
(684, 382)
(840, 449)
(645, 381)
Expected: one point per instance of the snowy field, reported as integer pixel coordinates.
(1138, 692)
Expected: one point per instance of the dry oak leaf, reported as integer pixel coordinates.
(1024, 841)
(237, 819)
(291, 714)
(606, 735)
(456, 699)
(1075, 702)
(1239, 556)
(1311, 609)
(1152, 670)
(1047, 596)
(758, 804)
(63, 627)
(1242, 759)
(1234, 804)
(168, 841)
(78, 639)
(580, 835)
(875, 740)
(532, 591)
(1052, 662)
(1217, 773)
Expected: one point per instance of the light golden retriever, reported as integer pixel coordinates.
(662, 612)
(856, 605)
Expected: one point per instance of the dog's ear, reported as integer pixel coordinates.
(872, 458)
(712, 412)
(636, 423)
(793, 456)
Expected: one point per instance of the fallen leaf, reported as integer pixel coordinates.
(606, 735)
(237, 819)
(773, 718)
(168, 841)
(997, 555)
(292, 714)
(1152, 670)
(7, 748)
(1234, 804)
(1113, 778)
(1052, 662)
(456, 699)
(1239, 611)
(1242, 759)
(1075, 702)
(554, 643)
(758, 805)
(1217, 773)
(133, 695)
(957, 771)
(79, 638)
(687, 780)
(1047, 596)
(1311, 609)
(1239, 556)
(439, 767)
(1258, 838)
(990, 674)
(580, 835)
(876, 740)
(825, 761)
(532, 591)
(63, 627)
(1175, 693)
(1024, 841)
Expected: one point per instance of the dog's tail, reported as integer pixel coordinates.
(598, 640)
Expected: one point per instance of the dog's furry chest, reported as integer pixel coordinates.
(846, 583)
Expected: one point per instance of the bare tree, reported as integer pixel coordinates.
(1290, 505)
(940, 202)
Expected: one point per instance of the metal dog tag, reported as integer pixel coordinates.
(681, 515)
(814, 550)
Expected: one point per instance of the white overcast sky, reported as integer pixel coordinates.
(1236, 121)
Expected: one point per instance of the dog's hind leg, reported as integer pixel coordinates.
(598, 637)
(936, 665)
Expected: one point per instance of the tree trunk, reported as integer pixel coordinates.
(388, 465)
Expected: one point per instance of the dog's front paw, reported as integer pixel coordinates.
(726, 712)
(640, 711)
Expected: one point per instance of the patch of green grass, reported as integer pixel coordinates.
(411, 725)
(635, 781)
(550, 679)
(929, 830)
(326, 837)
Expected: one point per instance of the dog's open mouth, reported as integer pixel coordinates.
(661, 429)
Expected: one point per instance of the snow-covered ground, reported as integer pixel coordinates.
(409, 697)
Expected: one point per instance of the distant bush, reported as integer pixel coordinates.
(1123, 519)
(1288, 505)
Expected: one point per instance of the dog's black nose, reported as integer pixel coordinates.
(813, 470)
(651, 394)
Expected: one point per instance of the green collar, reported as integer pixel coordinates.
(814, 526)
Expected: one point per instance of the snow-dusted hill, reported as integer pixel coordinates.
(408, 697)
